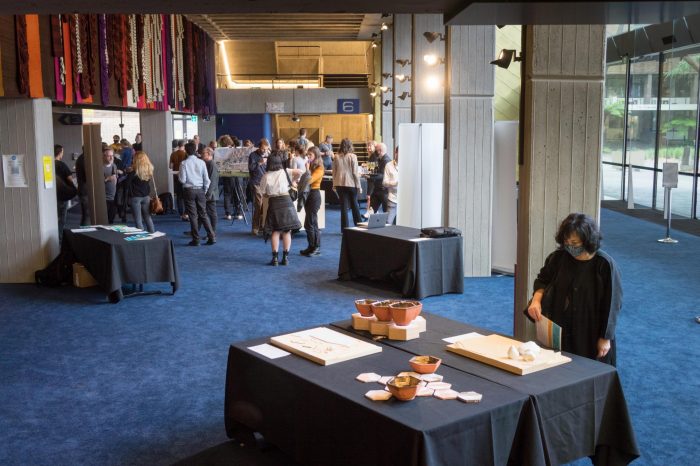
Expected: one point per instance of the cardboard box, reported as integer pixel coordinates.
(81, 277)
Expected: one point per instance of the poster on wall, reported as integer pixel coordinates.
(13, 171)
(47, 162)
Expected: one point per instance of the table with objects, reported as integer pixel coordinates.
(115, 262)
(417, 267)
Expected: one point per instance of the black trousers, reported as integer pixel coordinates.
(311, 207)
(229, 189)
(348, 200)
(195, 205)
(379, 197)
(210, 207)
(111, 210)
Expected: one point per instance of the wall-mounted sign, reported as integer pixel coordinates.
(274, 107)
(13, 171)
(194, 118)
(348, 105)
(70, 119)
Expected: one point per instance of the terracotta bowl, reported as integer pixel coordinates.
(364, 307)
(403, 312)
(382, 310)
(425, 364)
(404, 388)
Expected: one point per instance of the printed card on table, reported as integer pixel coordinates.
(549, 333)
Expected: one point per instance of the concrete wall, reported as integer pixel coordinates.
(312, 101)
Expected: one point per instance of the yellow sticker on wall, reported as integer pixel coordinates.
(47, 161)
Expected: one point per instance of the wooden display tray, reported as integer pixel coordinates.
(388, 328)
(324, 346)
(493, 350)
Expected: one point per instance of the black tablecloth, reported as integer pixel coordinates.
(421, 268)
(332, 197)
(114, 262)
(319, 415)
(580, 405)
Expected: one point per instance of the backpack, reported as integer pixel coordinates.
(303, 188)
(57, 273)
(166, 199)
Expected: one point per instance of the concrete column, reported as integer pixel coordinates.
(29, 225)
(403, 50)
(157, 131)
(207, 129)
(428, 101)
(94, 173)
(469, 178)
(563, 114)
(388, 110)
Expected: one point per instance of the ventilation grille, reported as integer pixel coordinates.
(345, 80)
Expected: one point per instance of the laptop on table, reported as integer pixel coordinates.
(375, 221)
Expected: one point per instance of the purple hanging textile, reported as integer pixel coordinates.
(104, 72)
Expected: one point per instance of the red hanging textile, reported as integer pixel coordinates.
(22, 54)
(68, 61)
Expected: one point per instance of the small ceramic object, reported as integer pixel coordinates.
(412, 374)
(446, 394)
(368, 377)
(403, 312)
(470, 397)
(513, 352)
(425, 391)
(378, 395)
(432, 378)
(439, 385)
(528, 355)
(531, 346)
(382, 310)
(403, 388)
(383, 380)
(364, 307)
(425, 364)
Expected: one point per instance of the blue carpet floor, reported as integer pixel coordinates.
(142, 382)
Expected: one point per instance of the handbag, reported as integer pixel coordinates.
(156, 207)
(440, 232)
(293, 193)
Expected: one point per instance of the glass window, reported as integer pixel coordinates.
(109, 123)
(613, 129)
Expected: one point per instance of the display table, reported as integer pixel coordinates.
(418, 267)
(318, 415)
(580, 405)
(115, 262)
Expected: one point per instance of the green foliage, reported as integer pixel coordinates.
(615, 109)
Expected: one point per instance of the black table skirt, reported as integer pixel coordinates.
(580, 405)
(319, 415)
(115, 262)
(418, 269)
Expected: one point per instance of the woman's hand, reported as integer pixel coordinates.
(535, 307)
(603, 347)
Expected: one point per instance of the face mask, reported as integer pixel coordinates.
(575, 251)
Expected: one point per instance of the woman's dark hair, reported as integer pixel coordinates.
(346, 146)
(586, 229)
(274, 163)
(318, 160)
(300, 149)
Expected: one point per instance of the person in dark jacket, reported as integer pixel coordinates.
(139, 187)
(379, 193)
(579, 288)
(256, 167)
(212, 193)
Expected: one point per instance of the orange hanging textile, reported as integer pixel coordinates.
(36, 84)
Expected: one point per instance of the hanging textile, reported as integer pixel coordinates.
(67, 59)
(165, 75)
(92, 51)
(104, 73)
(22, 54)
(2, 82)
(189, 66)
(57, 54)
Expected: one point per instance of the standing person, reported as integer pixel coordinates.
(65, 189)
(256, 167)
(372, 158)
(139, 186)
(195, 183)
(326, 148)
(212, 193)
(313, 204)
(85, 216)
(281, 217)
(379, 195)
(176, 159)
(391, 183)
(302, 140)
(115, 146)
(138, 143)
(197, 142)
(110, 176)
(225, 141)
(213, 145)
(580, 289)
(126, 157)
(299, 161)
(346, 181)
(281, 150)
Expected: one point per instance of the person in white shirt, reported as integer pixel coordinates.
(391, 183)
(195, 182)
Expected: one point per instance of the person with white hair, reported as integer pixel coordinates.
(379, 193)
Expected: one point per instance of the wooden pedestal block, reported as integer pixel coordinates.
(380, 327)
(360, 322)
(408, 332)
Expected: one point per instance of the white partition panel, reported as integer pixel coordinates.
(505, 197)
(420, 175)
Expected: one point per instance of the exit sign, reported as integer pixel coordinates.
(348, 105)
(194, 118)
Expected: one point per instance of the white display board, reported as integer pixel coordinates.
(505, 197)
(421, 161)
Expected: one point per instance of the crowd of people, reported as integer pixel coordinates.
(277, 174)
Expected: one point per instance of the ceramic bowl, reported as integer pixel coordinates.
(403, 312)
(425, 364)
(403, 388)
(364, 307)
(382, 310)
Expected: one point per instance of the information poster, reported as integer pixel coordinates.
(13, 171)
(47, 162)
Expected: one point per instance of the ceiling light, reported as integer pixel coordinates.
(295, 118)
(431, 59)
(403, 62)
(373, 93)
(433, 36)
(402, 78)
(505, 57)
(387, 102)
(433, 83)
(404, 95)
(385, 88)
(374, 45)
(384, 27)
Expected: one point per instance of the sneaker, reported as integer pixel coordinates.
(194, 242)
(315, 252)
(305, 252)
(228, 217)
(211, 241)
(239, 217)
(185, 218)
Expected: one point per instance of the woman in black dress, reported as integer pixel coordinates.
(579, 288)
